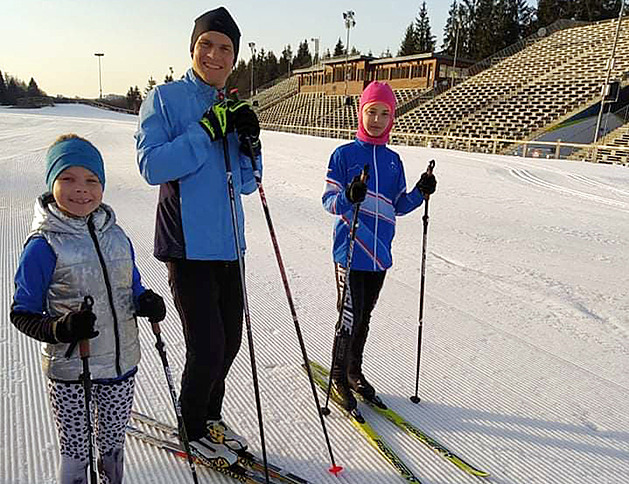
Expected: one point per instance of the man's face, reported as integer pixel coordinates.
(213, 58)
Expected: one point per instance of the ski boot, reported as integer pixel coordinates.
(220, 433)
(215, 455)
(344, 394)
(360, 385)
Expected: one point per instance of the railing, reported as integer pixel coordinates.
(526, 148)
(94, 103)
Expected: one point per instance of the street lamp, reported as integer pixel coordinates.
(349, 23)
(315, 59)
(252, 46)
(100, 83)
(457, 21)
(610, 66)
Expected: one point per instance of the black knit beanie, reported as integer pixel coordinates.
(217, 20)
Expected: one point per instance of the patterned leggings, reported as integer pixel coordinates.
(111, 405)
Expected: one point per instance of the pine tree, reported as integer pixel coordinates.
(150, 85)
(286, 59)
(467, 15)
(513, 19)
(303, 57)
(485, 28)
(548, 11)
(240, 78)
(339, 48)
(33, 89)
(407, 47)
(424, 38)
(270, 66)
(134, 98)
(15, 90)
(451, 30)
(3, 90)
(593, 10)
(169, 77)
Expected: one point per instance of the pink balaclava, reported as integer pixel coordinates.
(376, 92)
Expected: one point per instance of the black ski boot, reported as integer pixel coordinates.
(344, 394)
(360, 385)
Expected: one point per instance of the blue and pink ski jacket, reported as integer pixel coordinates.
(386, 199)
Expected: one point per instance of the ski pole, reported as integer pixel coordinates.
(415, 398)
(339, 324)
(334, 469)
(183, 435)
(243, 285)
(84, 351)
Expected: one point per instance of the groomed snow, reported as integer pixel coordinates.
(526, 332)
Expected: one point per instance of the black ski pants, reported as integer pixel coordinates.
(208, 297)
(361, 298)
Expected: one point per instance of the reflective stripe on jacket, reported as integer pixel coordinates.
(173, 151)
(386, 199)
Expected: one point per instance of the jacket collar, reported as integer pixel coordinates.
(208, 92)
(366, 144)
(49, 217)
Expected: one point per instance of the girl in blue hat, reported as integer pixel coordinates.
(75, 249)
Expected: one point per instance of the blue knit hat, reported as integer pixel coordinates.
(73, 152)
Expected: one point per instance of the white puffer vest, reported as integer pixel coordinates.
(93, 259)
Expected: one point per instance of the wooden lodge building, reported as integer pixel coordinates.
(417, 71)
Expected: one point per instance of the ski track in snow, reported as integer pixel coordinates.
(525, 343)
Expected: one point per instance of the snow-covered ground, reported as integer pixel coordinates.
(526, 333)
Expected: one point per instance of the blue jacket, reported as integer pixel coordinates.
(173, 151)
(386, 198)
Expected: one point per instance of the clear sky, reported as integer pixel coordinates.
(54, 41)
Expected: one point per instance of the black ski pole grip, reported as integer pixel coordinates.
(87, 304)
(84, 344)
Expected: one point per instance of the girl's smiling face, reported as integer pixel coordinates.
(77, 191)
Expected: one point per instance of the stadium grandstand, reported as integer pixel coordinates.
(508, 103)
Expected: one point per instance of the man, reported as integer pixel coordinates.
(180, 148)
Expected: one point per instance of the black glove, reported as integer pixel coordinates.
(151, 305)
(427, 184)
(247, 126)
(75, 326)
(217, 121)
(356, 191)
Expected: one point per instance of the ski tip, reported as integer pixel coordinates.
(336, 470)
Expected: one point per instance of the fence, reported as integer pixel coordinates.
(535, 149)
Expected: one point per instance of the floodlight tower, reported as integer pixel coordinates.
(252, 46)
(100, 83)
(348, 17)
(610, 66)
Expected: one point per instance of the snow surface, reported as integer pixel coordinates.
(526, 332)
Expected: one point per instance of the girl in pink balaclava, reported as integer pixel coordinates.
(381, 199)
